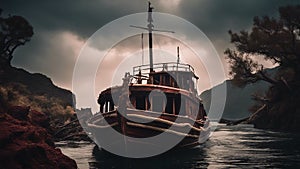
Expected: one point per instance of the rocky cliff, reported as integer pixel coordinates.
(277, 107)
(21, 88)
(35, 84)
(238, 100)
(26, 143)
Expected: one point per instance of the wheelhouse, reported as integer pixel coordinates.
(170, 88)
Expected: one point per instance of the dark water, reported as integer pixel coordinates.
(229, 147)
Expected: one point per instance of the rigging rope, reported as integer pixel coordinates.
(142, 49)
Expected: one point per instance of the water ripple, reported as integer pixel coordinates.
(239, 146)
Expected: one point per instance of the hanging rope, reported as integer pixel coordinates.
(142, 49)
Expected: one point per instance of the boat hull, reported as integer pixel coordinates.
(144, 129)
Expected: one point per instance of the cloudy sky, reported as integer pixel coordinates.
(61, 28)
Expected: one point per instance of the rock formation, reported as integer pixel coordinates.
(26, 143)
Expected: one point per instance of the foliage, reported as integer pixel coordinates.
(17, 94)
(276, 40)
(14, 32)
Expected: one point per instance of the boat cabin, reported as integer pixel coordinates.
(169, 88)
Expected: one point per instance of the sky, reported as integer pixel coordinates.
(61, 28)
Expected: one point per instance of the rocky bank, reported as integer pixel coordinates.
(25, 141)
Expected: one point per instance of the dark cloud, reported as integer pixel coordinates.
(217, 17)
(53, 20)
(81, 17)
(53, 53)
(85, 17)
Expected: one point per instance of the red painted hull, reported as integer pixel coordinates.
(182, 128)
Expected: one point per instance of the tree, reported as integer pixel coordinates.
(275, 40)
(14, 32)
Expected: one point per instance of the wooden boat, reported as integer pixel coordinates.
(157, 98)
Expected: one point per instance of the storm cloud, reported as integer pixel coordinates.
(62, 27)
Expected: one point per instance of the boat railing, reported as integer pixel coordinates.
(169, 66)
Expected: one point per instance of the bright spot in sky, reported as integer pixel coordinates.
(170, 3)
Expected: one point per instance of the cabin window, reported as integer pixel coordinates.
(157, 104)
(172, 82)
(140, 102)
(192, 113)
(112, 106)
(148, 105)
(176, 82)
(106, 107)
(167, 80)
(184, 83)
(181, 82)
(180, 106)
(101, 108)
(188, 85)
(156, 79)
(132, 100)
(177, 105)
(169, 106)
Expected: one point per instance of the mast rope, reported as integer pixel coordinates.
(142, 48)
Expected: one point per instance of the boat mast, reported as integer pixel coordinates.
(150, 29)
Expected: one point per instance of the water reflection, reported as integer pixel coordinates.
(193, 158)
(230, 147)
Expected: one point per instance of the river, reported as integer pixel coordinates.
(240, 146)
